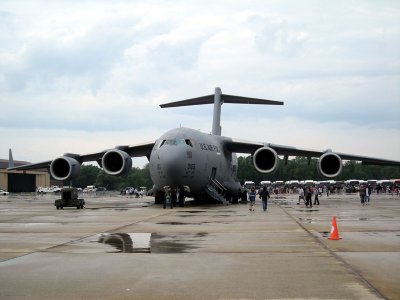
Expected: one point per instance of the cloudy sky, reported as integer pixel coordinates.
(82, 76)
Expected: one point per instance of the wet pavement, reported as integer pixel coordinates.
(128, 248)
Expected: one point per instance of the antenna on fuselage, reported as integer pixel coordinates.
(218, 99)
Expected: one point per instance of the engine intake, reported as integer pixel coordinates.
(64, 168)
(330, 165)
(265, 160)
(116, 162)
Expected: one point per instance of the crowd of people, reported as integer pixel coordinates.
(337, 189)
(130, 191)
(365, 192)
(309, 194)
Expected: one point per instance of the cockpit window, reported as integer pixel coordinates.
(162, 143)
(175, 142)
(189, 143)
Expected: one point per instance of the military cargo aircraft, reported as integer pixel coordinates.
(186, 162)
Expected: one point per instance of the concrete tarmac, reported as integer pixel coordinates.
(128, 248)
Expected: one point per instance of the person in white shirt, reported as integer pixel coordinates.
(301, 194)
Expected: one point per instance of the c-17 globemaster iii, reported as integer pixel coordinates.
(186, 162)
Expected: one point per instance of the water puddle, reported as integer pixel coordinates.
(308, 220)
(182, 223)
(364, 219)
(151, 242)
(177, 223)
(284, 202)
(127, 242)
(221, 216)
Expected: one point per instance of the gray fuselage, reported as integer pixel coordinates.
(188, 157)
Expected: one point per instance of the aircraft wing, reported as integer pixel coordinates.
(369, 160)
(138, 150)
(242, 146)
(36, 166)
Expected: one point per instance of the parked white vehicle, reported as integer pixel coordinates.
(3, 192)
(248, 184)
(89, 189)
(52, 189)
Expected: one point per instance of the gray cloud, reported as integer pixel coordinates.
(105, 67)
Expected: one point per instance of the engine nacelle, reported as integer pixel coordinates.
(330, 165)
(64, 168)
(116, 162)
(265, 160)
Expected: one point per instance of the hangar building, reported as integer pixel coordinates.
(22, 181)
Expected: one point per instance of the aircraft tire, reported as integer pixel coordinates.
(243, 196)
(228, 197)
(181, 200)
(235, 199)
(173, 199)
(159, 198)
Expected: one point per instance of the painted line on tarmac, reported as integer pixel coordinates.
(85, 237)
(349, 267)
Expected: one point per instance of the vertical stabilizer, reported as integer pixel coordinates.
(10, 159)
(216, 124)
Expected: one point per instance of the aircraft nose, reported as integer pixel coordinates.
(173, 164)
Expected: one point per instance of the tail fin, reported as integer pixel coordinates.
(218, 99)
(10, 159)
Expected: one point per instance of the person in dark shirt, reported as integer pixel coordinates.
(264, 195)
(308, 196)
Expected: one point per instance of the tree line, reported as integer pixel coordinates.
(296, 169)
(92, 175)
(300, 168)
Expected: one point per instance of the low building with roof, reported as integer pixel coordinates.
(21, 181)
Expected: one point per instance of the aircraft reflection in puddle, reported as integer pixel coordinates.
(127, 242)
(150, 242)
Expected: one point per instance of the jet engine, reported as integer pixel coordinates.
(265, 160)
(64, 168)
(330, 165)
(116, 162)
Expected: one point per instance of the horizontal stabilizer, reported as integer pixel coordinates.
(194, 101)
(247, 100)
(224, 99)
(218, 99)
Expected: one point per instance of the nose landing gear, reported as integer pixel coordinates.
(168, 198)
(172, 196)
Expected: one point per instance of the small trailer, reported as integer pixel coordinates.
(69, 198)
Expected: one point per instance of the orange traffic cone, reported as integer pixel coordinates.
(334, 230)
